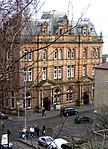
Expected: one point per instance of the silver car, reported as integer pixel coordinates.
(45, 140)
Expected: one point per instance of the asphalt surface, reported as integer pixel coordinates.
(49, 114)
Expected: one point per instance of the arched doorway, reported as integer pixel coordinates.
(46, 103)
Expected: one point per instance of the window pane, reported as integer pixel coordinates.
(30, 56)
(59, 72)
(55, 72)
(68, 71)
(69, 54)
(55, 54)
(73, 54)
(59, 54)
(72, 71)
(44, 73)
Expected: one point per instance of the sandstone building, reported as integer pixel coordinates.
(56, 63)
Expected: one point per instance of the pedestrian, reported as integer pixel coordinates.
(27, 134)
(43, 129)
(23, 133)
(31, 131)
(20, 132)
(36, 130)
(2, 125)
(86, 98)
(43, 111)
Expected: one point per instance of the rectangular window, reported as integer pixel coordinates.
(57, 72)
(27, 74)
(70, 71)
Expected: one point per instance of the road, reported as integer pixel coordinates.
(53, 125)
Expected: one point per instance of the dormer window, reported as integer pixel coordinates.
(84, 31)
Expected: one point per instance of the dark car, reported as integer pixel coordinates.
(68, 111)
(3, 116)
(83, 119)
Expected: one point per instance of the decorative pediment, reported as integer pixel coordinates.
(86, 79)
(45, 83)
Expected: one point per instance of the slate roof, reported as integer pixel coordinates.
(102, 66)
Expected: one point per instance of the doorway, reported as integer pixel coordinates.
(46, 104)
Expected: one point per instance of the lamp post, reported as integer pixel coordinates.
(25, 103)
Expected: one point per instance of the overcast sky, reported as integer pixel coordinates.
(97, 12)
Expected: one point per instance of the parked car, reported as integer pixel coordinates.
(3, 116)
(68, 111)
(4, 142)
(45, 140)
(6, 146)
(58, 143)
(83, 119)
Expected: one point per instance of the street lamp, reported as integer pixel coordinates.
(25, 102)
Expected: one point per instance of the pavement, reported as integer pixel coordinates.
(35, 116)
(51, 113)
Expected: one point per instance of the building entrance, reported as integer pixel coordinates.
(46, 104)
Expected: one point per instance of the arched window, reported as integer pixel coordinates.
(57, 96)
(69, 94)
(97, 53)
(85, 53)
(84, 70)
(44, 73)
(93, 53)
(55, 54)
(28, 99)
(58, 54)
(73, 53)
(45, 55)
(69, 54)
